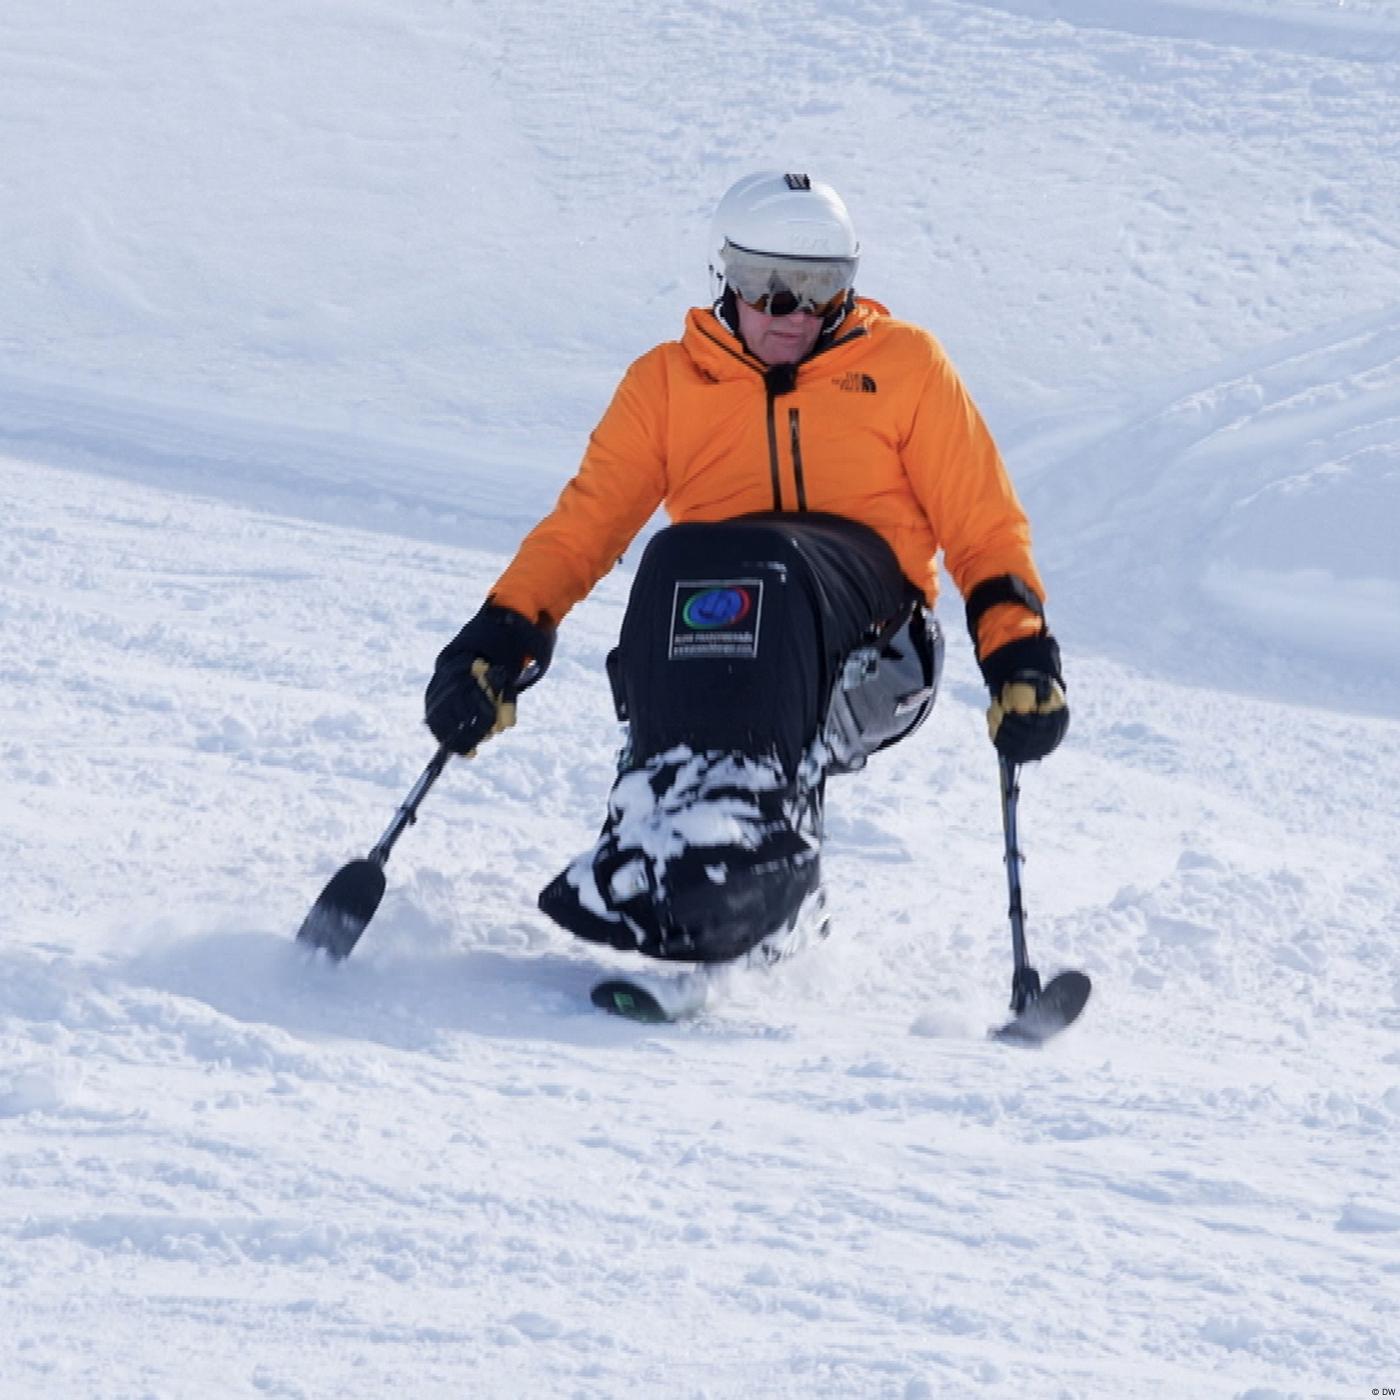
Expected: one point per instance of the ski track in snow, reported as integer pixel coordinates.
(437, 1161)
(1264, 506)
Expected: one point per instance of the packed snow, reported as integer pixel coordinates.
(307, 313)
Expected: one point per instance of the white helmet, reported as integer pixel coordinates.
(782, 216)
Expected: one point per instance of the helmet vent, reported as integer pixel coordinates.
(798, 182)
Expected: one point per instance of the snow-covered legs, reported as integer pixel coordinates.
(738, 641)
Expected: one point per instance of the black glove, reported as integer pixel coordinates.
(1028, 715)
(480, 672)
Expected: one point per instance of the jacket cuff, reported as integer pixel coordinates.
(1039, 655)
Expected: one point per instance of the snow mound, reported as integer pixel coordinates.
(1243, 532)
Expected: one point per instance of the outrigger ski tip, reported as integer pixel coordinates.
(1046, 1015)
(345, 907)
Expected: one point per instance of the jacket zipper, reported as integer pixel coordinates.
(794, 447)
(795, 439)
(795, 436)
(773, 464)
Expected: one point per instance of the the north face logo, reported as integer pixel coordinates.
(856, 383)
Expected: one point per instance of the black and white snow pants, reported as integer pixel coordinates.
(757, 656)
(766, 634)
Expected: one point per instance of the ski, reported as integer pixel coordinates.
(1057, 1006)
(651, 999)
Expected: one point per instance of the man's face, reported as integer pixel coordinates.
(778, 340)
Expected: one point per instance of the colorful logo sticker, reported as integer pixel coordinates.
(716, 619)
(717, 607)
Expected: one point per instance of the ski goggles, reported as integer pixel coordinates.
(780, 285)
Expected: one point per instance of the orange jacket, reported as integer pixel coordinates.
(879, 429)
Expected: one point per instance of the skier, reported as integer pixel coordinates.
(814, 454)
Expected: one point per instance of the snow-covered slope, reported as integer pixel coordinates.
(233, 1172)
(1243, 526)
(307, 311)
